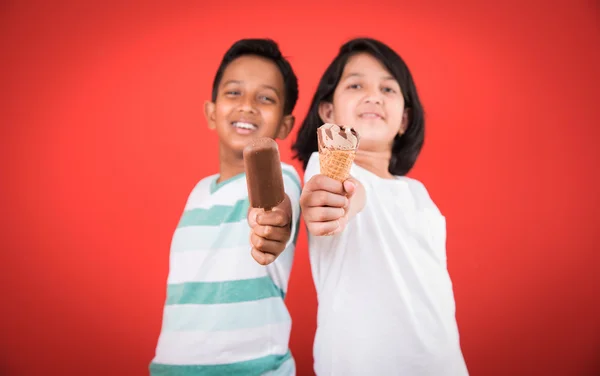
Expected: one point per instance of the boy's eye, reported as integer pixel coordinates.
(232, 92)
(266, 99)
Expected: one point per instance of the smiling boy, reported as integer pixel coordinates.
(225, 311)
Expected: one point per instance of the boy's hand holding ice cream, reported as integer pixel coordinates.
(331, 198)
(270, 212)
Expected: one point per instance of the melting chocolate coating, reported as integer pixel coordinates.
(264, 177)
(341, 132)
(328, 133)
(345, 135)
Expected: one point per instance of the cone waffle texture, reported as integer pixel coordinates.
(336, 163)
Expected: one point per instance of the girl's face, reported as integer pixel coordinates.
(368, 99)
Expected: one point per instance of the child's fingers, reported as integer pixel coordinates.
(323, 198)
(342, 225)
(279, 234)
(323, 214)
(273, 218)
(324, 183)
(322, 228)
(261, 257)
(266, 245)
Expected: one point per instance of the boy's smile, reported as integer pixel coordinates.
(244, 127)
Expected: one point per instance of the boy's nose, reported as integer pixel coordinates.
(247, 105)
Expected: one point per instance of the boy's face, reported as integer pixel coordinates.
(249, 104)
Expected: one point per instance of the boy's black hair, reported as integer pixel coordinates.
(266, 48)
(405, 148)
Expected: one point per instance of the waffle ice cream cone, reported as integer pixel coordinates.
(337, 149)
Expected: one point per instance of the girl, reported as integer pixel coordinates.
(377, 241)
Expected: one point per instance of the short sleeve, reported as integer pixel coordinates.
(431, 222)
(312, 168)
(280, 269)
(293, 188)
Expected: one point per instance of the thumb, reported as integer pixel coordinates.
(252, 215)
(350, 186)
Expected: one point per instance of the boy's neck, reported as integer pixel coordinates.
(377, 162)
(230, 165)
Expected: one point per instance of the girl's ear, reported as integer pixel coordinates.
(405, 120)
(326, 112)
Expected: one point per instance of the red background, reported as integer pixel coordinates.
(103, 137)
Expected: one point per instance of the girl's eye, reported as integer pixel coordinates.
(354, 86)
(388, 90)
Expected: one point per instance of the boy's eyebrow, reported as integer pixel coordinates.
(265, 86)
(272, 88)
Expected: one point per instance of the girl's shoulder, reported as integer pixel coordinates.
(420, 194)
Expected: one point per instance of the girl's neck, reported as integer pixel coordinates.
(230, 164)
(377, 162)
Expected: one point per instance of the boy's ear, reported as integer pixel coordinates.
(209, 113)
(326, 111)
(287, 123)
(405, 119)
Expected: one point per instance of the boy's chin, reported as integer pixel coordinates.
(236, 145)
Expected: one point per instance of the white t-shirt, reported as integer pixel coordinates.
(386, 305)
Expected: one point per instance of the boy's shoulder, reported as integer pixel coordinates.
(205, 182)
(235, 188)
(288, 166)
(290, 172)
(199, 195)
(289, 169)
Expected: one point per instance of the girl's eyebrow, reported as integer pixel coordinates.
(231, 82)
(355, 74)
(352, 74)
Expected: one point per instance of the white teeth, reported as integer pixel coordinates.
(241, 125)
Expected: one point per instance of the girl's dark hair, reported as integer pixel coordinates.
(405, 148)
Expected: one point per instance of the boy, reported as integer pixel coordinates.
(225, 310)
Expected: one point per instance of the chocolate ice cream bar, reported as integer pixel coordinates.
(263, 173)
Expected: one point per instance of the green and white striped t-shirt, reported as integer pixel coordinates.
(224, 313)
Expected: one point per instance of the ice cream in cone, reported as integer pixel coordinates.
(337, 148)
